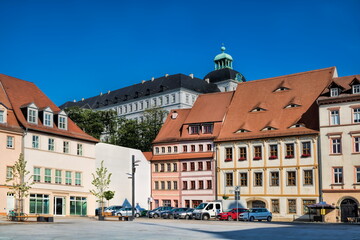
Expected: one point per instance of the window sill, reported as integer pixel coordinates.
(337, 184)
(335, 154)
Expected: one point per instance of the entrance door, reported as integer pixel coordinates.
(59, 206)
(348, 208)
(10, 202)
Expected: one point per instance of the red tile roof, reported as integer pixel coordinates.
(148, 155)
(303, 89)
(20, 93)
(208, 108)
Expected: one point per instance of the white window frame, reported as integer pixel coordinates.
(66, 147)
(35, 141)
(2, 116)
(335, 145)
(9, 172)
(356, 144)
(51, 144)
(47, 178)
(32, 116)
(79, 149)
(10, 142)
(48, 119)
(78, 178)
(356, 115)
(63, 122)
(356, 89)
(58, 177)
(334, 92)
(338, 174)
(357, 174)
(334, 117)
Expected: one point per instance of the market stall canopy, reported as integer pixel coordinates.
(321, 205)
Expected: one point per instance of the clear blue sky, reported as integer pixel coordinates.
(75, 49)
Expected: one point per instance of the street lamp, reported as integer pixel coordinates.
(133, 167)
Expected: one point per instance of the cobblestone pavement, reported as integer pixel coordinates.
(143, 228)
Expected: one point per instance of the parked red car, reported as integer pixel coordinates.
(231, 215)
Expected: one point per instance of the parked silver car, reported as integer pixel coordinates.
(256, 214)
(127, 212)
(187, 214)
(112, 209)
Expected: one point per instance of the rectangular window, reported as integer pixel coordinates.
(162, 149)
(10, 142)
(192, 184)
(209, 184)
(169, 185)
(157, 150)
(306, 209)
(338, 175)
(168, 167)
(257, 153)
(336, 145)
(207, 128)
(209, 147)
(184, 167)
(334, 92)
(291, 178)
(48, 119)
(194, 129)
(357, 174)
(289, 150)
(192, 166)
(39, 204)
(357, 144)
(175, 149)
(273, 151)
(335, 117)
(185, 187)
(228, 154)
(156, 185)
(169, 149)
(229, 179)
(68, 178)
(78, 179)
(162, 167)
(36, 176)
(156, 167)
(356, 115)
(167, 203)
(306, 149)
(356, 88)
(58, 177)
(175, 185)
(308, 177)
(200, 166)
(243, 154)
(185, 148)
(193, 148)
(79, 149)
(201, 148)
(162, 185)
(243, 179)
(62, 122)
(292, 205)
(78, 206)
(258, 179)
(9, 173)
(35, 141)
(173, 98)
(32, 116)
(2, 118)
(174, 167)
(51, 144)
(201, 184)
(275, 206)
(66, 147)
(208, 165)
(274, 181)
(167, 99)
(47, 175)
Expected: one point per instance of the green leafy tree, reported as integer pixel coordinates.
(21, 182)
(108, 195)
(101, 181)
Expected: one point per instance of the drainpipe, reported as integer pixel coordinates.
(215, 170)
(21, 201)
(320, 170)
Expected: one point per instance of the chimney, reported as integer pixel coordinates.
(191, 75)
(174, 115)
(143, 81)
(207, 80)
(100, 93)
(152, 79)
(108, 91)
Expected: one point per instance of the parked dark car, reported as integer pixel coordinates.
(98, 210)
(187, 214)
(173, 213)
(156, 213)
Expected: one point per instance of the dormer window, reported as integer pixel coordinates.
(258, 109)
(334, 92)
(356, 89)
(292, 105)
(62, 121)
(297, 125)
(2, 118)
(280, 89)
(32, 114)
(207, 128)
(268, 128)
(194, 129)
(242, 131)
(48, 117)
